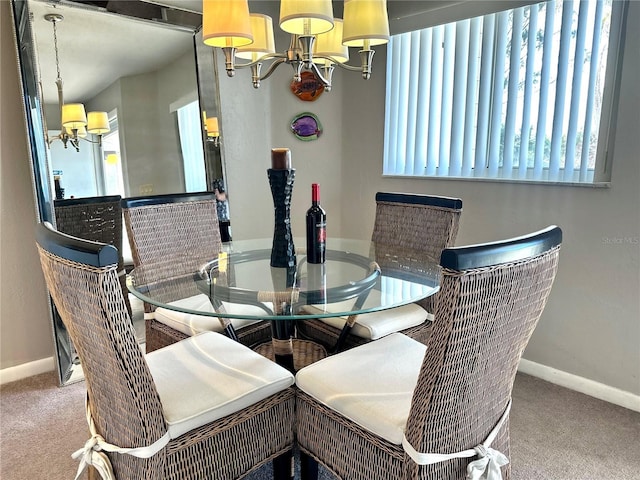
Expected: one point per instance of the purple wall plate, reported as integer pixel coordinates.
(306, 126)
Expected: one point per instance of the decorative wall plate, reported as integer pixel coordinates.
(309, 88)
(306, 126)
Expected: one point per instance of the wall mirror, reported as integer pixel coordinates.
(141, 63)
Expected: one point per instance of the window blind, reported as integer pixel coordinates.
(516, 94)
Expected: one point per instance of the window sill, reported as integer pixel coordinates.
(505, 180)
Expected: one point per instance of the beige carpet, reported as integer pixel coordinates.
(556, 434)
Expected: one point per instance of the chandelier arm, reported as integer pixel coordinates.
(89, 140)
(50, 140)
(344, 66)
(318, 73)
(273, 67)
(75, 143)
(262, 59)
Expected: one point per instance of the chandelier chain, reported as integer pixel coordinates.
(55, 46)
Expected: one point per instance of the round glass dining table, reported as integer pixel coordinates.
(357, 277)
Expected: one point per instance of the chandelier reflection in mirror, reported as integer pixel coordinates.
(319, 42)
(213, 130)
(76, 123)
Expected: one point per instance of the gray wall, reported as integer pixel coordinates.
(253, 122)
(591, 326)
(25, 327)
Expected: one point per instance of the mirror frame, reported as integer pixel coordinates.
(40, 161)
(33, 111)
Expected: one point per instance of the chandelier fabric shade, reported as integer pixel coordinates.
(306, 17)
(98, 123)
(213, 129)
(365, 21)
(73, 116)
(330, 44)
(263, 41)
(226, 23)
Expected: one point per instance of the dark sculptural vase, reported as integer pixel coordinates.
(283, 252)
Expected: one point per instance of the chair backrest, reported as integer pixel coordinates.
(83, 281)
(177, 231)
(413, 222)
(491, 298)
(98, 219)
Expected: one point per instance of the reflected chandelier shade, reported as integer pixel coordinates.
(75, 122)
(213, 130)
(318, 43)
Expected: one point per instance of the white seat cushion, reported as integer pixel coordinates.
(209, 376)
(372, 385)
(375, 325)
(191, 323)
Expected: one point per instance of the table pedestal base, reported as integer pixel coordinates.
(300, 352)
(283, 466)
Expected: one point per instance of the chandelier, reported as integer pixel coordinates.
(318, 42)
(76, 123)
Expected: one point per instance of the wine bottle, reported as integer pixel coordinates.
(316, 228)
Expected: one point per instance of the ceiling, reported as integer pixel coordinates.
(96, 46)
(396, 8)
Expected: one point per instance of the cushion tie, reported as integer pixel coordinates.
(93, 451)
(486, 467)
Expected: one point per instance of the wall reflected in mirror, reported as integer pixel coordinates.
(136, 61)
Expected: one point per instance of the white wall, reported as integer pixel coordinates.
(78, 169)
(149, 141)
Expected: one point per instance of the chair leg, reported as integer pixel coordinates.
(308, 467)
(283, 466)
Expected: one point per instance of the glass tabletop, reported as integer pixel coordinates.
(357, 277)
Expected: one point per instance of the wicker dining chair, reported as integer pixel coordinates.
(205, 407)
(172, 235)
(405, 225)
(397, 409)
(98, 219)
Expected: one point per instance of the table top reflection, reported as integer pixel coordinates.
(357, 277)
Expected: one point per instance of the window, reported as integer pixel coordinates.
(523, 94)
(190, 130)
(111, 163)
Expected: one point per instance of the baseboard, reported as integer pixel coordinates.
(580, 384)
(557, 377)
(26, 370)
